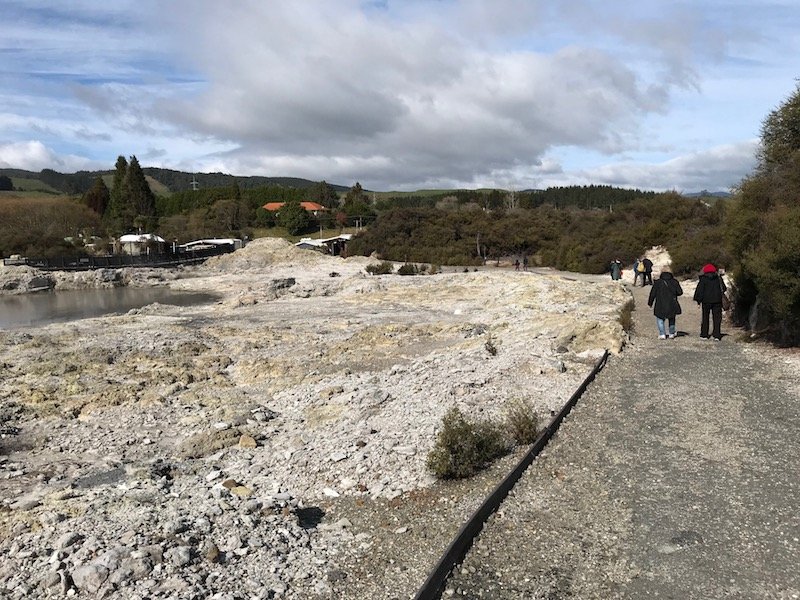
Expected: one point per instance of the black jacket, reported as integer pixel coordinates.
(709, 289)
(664, 294)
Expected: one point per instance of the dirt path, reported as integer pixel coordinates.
(675, 477)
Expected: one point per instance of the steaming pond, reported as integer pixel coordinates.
(41, 308)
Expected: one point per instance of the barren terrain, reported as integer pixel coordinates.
(225, 451)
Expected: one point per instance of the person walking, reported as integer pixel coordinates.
(648, 272)
(637, 265)
(708, 295)
(616, 269)
(664, 300)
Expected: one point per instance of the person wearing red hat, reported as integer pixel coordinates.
(708, 294)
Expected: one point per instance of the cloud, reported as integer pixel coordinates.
(719, 168)
(393, 101)
(396, 95)
(35, 156)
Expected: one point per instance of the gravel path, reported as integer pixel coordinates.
(675, 477)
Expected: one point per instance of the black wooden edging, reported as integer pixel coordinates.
(434, 586)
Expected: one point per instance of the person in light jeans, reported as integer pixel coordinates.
(664, 300)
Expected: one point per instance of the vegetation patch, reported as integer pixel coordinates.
(382, 268)
(463, 448)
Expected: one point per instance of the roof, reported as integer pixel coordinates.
(140, 238)
(318, 243)
(309, 206)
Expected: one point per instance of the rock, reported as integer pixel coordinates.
(210, 551)
(89, 577)
(68, 539)
(179, 556)
(241, 491)
(247, 441)
(203, 444)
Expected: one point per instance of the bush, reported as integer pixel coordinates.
(463, 448)
(408, 269)
(626, 315)
(522, 422)
(382, 268)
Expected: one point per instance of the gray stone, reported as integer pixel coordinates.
(179, 556)
(68, 539)
(89, 577)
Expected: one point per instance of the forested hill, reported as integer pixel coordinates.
(172, 181)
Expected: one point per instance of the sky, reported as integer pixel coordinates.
(400, 95)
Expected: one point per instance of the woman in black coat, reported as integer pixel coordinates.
(708, 294)
(664, 300)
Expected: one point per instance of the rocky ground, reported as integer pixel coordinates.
(272, 444)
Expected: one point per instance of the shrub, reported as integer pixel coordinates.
(463, 448)
(626, 315)
(522, 422)
(408, 269)
(382, 268)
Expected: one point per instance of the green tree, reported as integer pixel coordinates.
(5, 183)
(139, 195)
(324, 194)
(98, 197)
(119, 214)
(356, 202)
(762, 229)
(780, 133)
(293, 217)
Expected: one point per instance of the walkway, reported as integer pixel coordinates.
(677, 476)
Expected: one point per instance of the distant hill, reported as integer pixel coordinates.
(162, 181)
(706, 194)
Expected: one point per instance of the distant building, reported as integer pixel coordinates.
(141, 243)
(336, 246)
(311, 207)
(235, 243)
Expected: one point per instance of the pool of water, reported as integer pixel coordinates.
(31, 310)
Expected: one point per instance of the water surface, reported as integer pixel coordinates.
(31, 310)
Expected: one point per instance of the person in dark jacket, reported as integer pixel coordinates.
(664, 300)
(616, 269)
(648, 272)
(708, 295)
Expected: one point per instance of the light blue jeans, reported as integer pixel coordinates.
(660, 323)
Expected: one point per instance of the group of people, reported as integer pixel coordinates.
(642, 268)
(709, 295)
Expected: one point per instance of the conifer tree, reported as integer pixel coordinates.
(98, 197)
(118, 214)
(139, 195)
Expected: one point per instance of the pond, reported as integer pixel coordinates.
(31, 310)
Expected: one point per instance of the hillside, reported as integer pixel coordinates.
(162, 181)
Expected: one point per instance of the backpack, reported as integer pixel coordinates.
(640, 267)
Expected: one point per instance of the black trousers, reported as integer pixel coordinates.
(715, 310)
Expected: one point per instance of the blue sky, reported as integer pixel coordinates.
(399, 95)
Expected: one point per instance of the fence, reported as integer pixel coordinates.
(86, 263)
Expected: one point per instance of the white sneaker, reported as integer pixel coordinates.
(662, 337)
(672, 336)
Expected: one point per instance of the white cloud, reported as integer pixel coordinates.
(718, 168)
(35, 156)
(394, 95)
